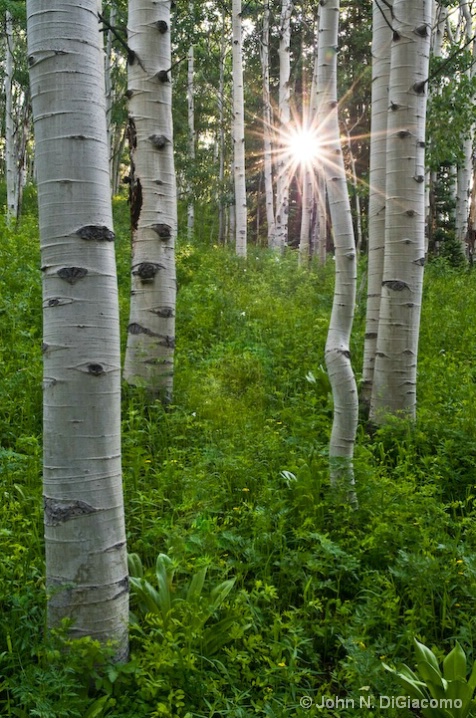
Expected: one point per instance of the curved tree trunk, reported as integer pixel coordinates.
(344, 388)
(239, 134)
(394, 389)
(151, 332)
(86, 562)
(381, 42)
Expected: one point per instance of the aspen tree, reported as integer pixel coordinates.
(151, 332)
(284, 116)
(86, 562)
(337, 353)
(267, 124)
(394, 388)
(381, 42)
(239, 133)
(191, 129)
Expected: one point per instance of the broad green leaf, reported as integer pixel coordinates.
(220, 592)
(472, 678)
(432, 677)
(411, 687)
(135, 565)
(196, 585)
(454, 665)
(97, 708)
(146, 593)
(217, 635)
(164, 570)
(425, 654)
(460, 690)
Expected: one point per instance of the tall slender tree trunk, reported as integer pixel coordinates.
(381, 43)
(267, 124)
(86, 562)
(11, 155)
(284, 116)
(337, 353)
(151, 332)
(191, 131)
(394, 388)
(222, 234)
(239, 133)
(465, 167)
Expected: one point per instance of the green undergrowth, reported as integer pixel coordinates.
(266, 590)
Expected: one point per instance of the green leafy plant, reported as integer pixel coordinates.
(447, 687)
(191, 609)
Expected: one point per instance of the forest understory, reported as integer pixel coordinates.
(262, 591)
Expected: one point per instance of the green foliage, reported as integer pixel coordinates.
(230, 484)
(451, 691)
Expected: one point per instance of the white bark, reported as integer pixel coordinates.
(191, 131)
(239, 133)
(394, 389)
(267, 124)
(381, 42)
(464, 170)
(284, 116)
(222, 234)
(11, 157)
(337, 353)
(86, 562)
(151, 331)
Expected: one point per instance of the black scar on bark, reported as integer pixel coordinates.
(163, 76)
(57, 512)
(123, 587)
(167, 341)
(162, 26)
(135, 198)
(403, 133)
(163, 230)
(147, 271)
(95, 369)
(158, 141)
(96, 233)
(419, 87)
(164, 312)
(422, 30)
(72, 274)
(44, 347)
(54, 302)
(420, 262)
(132, 134)
(135, 328)
(396, 284)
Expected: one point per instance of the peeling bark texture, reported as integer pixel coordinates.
(241, 215)
(84, 515)
(149, 359)
(381, 43)
(394, 387)
(337, 353)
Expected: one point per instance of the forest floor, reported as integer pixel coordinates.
(304, 599)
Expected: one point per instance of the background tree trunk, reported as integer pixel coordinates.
(239, 134)
(151, 332)
(394, 389)
(381, 42)
(284, 116)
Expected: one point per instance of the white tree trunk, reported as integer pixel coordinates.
(284, 115)
(267, 124)
(11, 157)
(394, 389)
(381, 42)
(151, 332)
(239, 133)
(86, 562)
(222, 233)
(337, 353)
(465, 168)
(191, 132)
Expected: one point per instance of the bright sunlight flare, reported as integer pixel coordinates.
(304, 147)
